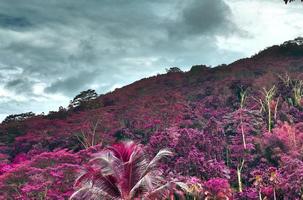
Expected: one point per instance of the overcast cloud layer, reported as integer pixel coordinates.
(51, 50)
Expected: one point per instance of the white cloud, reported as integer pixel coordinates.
(266, 22)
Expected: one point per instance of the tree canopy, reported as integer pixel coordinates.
(84, 96)
(173, 70)
(18, 117)
(289, 1)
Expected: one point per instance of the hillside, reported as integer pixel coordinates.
(197, 114)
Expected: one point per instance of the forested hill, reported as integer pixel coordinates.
(202, 115)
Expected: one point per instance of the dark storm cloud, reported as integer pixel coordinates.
(202, 18)
(70, 85)
(20, 85)
(70, 45)
(207, 16)
(13, 22)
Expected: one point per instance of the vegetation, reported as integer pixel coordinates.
(18, 117)
(226, 139)
(173, 70)
(289, 1)
(123, 172)
(83, 98)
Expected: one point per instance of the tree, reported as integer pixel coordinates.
(83, 97)
(289, 1)
(173, 70)
(122, 172)
(18, 117)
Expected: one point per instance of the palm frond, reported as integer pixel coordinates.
(86, 176)
(108, 163)
(123, 171)
(133, 170)
(153, 163)
(124, 150)
(161, 192)
(107, 185)
(147, 183)
(94, 178)
(91, 193)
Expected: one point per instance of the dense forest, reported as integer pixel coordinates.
(226, 132)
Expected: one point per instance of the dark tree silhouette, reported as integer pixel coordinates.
(288, 1)
(173, 70)
(83, 97)
(18, 117)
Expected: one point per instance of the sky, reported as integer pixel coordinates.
(52, 50)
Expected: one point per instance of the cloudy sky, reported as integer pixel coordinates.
(51, 50)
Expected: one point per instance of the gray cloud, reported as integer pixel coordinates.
(20, 85)
(66, 46)
(13, 22)
(200, 18)
(70, 85)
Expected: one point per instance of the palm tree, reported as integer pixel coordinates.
(122, 172)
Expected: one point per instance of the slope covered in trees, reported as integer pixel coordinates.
(235, 131)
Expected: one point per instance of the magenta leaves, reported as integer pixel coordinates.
(122, 171)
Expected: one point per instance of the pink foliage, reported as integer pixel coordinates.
(197, 115)
(217, 188)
